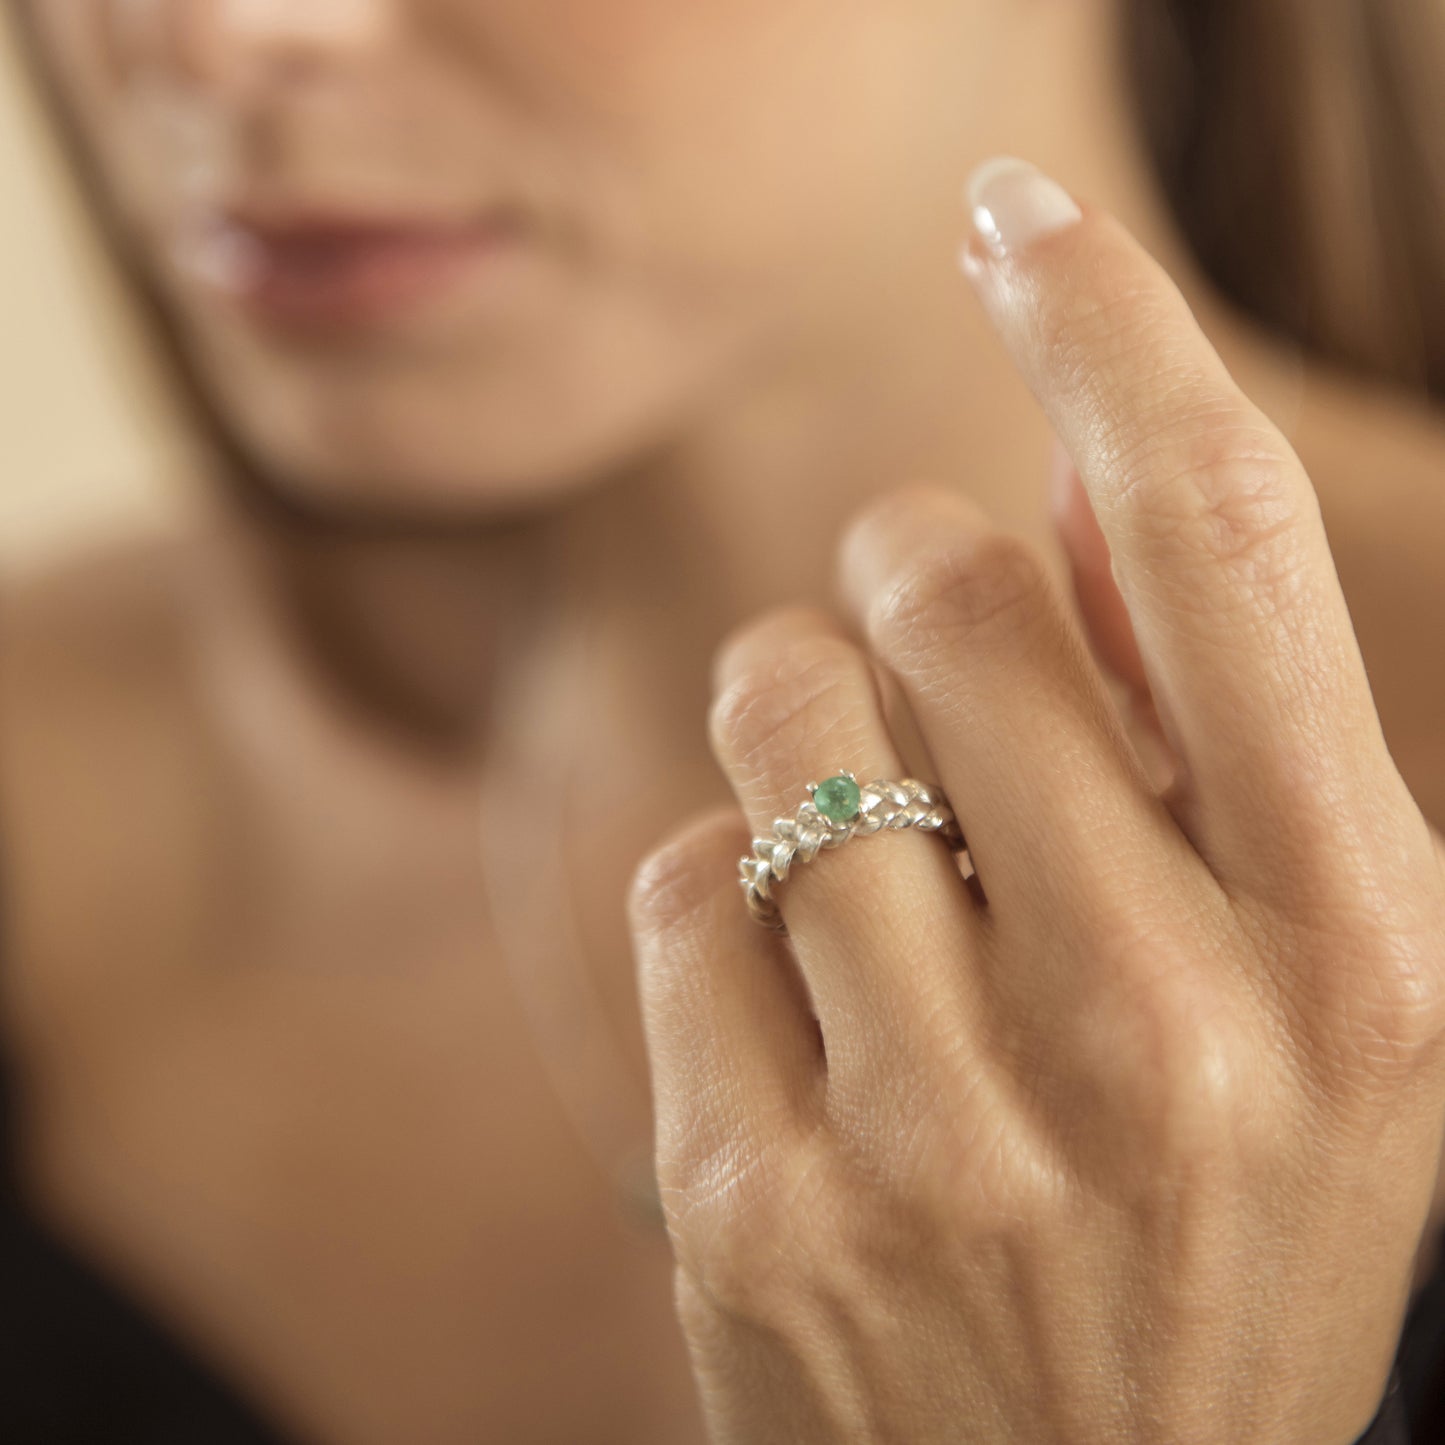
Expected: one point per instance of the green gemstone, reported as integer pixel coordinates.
(838, 800)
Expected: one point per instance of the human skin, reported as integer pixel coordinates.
(295, 1097)
(657, 257)
(1135, 1138)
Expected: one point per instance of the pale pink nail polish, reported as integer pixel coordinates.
(1014, 204)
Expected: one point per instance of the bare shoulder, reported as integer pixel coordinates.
(107, 771)
(90, 620)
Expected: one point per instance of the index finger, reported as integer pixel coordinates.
(1213, 525)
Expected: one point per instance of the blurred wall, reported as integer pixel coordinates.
(87, 450)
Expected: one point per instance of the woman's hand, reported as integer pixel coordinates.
(1141, 1147)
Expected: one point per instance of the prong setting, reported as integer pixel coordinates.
(845, 810)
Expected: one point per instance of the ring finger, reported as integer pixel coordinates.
(797, 701)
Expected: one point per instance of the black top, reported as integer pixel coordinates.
(80, 1364)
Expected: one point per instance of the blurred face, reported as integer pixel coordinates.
(442, 254)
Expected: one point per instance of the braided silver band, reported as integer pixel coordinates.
(882, 805)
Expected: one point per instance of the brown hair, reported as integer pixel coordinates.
(1302, 146)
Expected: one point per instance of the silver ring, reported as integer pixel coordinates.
(837, 810)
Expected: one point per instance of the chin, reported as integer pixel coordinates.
(406, 484)
(418, 437)
(483, 453)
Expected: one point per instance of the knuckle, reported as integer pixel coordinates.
(1165, 1053)
(1219, 492)
(737, 1264)
(1390, 1013)
(1409, 1017)
(1362, 940)
(679, 878)
(797, 696)
(738, 1231)
(1199, 1083)
(997, 585)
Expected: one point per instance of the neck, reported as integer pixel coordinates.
(742, 512)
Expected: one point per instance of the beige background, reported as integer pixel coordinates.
(85, 449)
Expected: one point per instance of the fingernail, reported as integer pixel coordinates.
(1014, 204)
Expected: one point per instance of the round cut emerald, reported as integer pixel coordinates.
(838, 800)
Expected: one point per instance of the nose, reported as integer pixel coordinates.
(217, 41)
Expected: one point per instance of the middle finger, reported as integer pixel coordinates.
(1049, 792)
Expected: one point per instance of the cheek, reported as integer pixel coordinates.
(77, 42)
(610, 48)
(724, 133)
(80, 42)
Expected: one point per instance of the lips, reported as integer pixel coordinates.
(340, 273)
